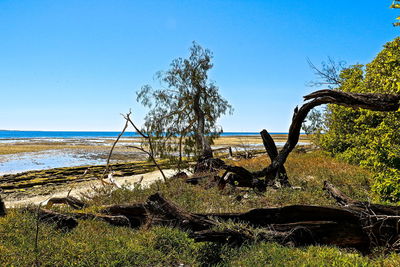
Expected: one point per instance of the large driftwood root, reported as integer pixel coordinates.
(297, 225)
(275, 173)
(380, 222)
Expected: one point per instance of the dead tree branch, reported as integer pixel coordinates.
(370, 101)
(113, 146)
(148, 138)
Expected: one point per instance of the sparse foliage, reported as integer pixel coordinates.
(328, 75)
(314, 123)
(186, 107)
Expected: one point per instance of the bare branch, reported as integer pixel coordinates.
(151, 153)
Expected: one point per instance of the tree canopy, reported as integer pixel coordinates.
(185, 107)
(369, 138)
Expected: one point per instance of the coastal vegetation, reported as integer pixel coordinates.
(360, 136)
(94, 242)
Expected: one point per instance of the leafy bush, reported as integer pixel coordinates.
(368, 138)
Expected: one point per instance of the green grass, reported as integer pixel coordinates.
(95, 243)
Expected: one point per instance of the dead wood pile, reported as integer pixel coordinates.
(353, 224)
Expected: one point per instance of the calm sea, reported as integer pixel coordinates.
(76, 134)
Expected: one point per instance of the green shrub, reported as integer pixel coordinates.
(368, 138)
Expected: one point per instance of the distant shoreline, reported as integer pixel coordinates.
(17, 134)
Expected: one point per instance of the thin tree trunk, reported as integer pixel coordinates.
(201, 140)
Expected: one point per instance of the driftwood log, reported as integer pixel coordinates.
(295, 225)
(275, 173)
(354, 224)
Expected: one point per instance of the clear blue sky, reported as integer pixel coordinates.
(75, 65)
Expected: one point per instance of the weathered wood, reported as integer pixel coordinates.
(373, 209)
(117, 220)
(297, 234)
(230, 152)
(3, 210)
(371, 101)
(280, 175)
(180, 175)
(349, 226)
(162, 211)
(136, 213)
(264, 217)
(61, 221)
(380, 222)
(208, 165)
(73, 202)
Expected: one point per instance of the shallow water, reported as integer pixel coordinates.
(49, 159)
(46, 160)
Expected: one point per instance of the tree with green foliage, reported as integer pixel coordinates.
(314, 124)
(186, 106)
(369, 138)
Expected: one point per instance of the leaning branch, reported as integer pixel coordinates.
(148, 138)
(113, 146)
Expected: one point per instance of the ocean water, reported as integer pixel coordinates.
(73, 157)
(87, 134)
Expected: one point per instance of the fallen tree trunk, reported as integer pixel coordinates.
(300, 225)
(296, 234)
(162, 211)
(350, 226)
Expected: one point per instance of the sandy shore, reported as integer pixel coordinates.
(87, 188)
